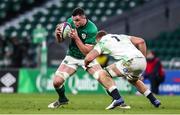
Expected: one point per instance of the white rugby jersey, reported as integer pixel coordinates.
(118, 46)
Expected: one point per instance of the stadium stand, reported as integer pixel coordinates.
(11, 8)
(50, 12)
(58, 10)
(166, 46)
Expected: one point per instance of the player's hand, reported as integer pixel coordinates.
(58, 33)
(86, 63)
(74, 34)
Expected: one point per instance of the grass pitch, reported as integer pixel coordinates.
(84, 104)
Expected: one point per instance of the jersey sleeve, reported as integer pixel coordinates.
(125, 36)
(91, 33)
(100, 46)
(97, 48)
(91, 38)
(70, 21)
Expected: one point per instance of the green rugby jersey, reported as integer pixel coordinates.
(87, 35)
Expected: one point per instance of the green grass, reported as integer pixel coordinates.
(84, 104)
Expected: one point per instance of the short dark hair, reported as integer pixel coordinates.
(101, 33)
(78, 11)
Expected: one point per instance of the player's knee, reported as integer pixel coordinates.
(132, 79)
(58, 81)
(59, 78)
(63, 75)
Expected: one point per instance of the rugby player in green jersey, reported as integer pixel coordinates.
(83, 35)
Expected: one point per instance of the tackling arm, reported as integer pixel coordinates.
(90, 57)
(139, 43)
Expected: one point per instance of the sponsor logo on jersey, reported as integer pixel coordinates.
(125, 70)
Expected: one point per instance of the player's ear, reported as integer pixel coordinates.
(84, 16)
(98, 39)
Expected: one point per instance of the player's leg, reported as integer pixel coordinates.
(131, 72)
(103, 78)
(63, 72)
(144, 90)
(136, 67)
(113, 72)
(61, 75)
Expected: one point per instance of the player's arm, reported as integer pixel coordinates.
(91, 56)
(58, 33)
(84, 48)
(97, 50)
(139, 43)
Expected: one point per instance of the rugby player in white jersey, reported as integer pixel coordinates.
(130, 53)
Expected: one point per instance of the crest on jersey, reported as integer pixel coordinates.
(83, 35)
(125, 70)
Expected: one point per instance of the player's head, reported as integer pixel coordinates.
(100, 34)
(79, 17)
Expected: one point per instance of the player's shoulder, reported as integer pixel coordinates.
(91, 25)
(70, 21)
(106, 38)
(117, 35)
(124, 35)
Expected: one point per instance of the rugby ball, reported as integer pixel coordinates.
(65, 31)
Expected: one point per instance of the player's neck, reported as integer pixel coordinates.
(85, 22)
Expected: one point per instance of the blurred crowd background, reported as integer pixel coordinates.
(157, 21)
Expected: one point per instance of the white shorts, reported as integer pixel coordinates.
(133, 68)
(75, 63)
